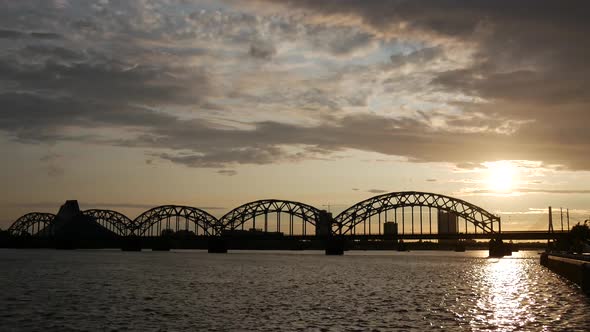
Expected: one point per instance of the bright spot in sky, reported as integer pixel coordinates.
(501, 176)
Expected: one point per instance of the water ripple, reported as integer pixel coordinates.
(305, 291)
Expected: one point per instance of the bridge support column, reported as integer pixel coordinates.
(216, 245)
(335, 246)
(131, 244)
(163, 243)
(497, 248)
(323, 229)
(65, 244)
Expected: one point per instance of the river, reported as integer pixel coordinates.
(109, 290)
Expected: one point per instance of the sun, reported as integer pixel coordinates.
(501, 176)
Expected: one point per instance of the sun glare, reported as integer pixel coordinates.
(501, 176)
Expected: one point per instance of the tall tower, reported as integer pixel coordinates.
(323, 226)
(447, 224)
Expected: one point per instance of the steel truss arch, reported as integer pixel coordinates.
(238, 216)
(349, 218)
(201, 218)
(112, 220)
(32, 224)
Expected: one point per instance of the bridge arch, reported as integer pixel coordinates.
(114, 221)
(174, 217)
(245, 215)
(33, 224)
(483, 220)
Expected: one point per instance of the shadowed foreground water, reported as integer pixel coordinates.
(291, 291)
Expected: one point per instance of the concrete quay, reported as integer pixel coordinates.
(575, 268)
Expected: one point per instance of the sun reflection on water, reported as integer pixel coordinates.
(505, 303)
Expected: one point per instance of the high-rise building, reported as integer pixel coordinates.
(447, 224)
(323, 227)
(390, 228)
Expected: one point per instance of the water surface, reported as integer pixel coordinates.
(80, 290)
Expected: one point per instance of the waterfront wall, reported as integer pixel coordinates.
(575, 268)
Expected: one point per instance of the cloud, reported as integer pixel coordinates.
(11, 34)
(376, 191)
(456, 89)
(536, 85)
(45, 35)
(201, 143)
(339, 41)
(52, 163)
(49, 206)
(15, 34)
(553, 191)
(51, 157)
(227, 172)
(34, 118)
(111, 81)
(527, 191)
(218, 157)
(418, 57)
(55, 170)
(262, 50)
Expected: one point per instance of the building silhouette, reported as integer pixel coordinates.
(448, 223)
(390, 228)
(72, 229)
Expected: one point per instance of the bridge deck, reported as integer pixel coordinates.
(508, 235)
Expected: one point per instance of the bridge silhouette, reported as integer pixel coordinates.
(403, 215)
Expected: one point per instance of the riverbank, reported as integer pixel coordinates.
(575, 268)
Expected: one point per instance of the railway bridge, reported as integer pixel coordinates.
(395, 216)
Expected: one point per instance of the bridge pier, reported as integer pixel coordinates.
(162, 244)
(497, 248)
(335, 246)
(131, 244)
(65, 244)
(216, 245)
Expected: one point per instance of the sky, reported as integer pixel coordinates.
(127, 105)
